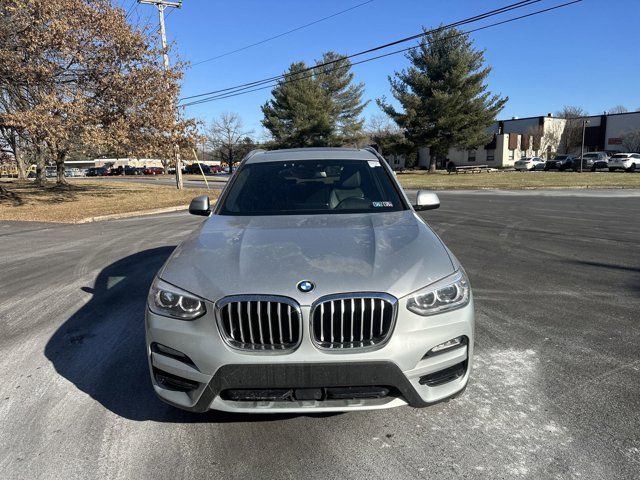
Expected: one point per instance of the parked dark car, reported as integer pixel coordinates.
(153, 170)
(560, 162)
(97, 172)
(128, 170)
(194, 168)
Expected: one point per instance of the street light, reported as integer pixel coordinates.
(584, 126)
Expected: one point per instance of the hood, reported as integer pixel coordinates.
(391, 252)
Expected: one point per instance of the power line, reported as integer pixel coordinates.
(281, 34)
(132, 6)
(475, 18)
(245, 90)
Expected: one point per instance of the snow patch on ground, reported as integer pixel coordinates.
(509, 415)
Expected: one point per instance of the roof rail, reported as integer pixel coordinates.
(252, 153)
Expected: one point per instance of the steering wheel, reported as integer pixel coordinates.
(360, 202)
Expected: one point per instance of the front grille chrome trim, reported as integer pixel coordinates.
(247, 323)
(373, 308)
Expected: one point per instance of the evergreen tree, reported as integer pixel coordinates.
(336, 79)
(444, 100)
(300, 113)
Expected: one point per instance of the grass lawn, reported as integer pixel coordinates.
(186, 176)
(86, 198)
(501, 180)
(210, 178)
(518, 180)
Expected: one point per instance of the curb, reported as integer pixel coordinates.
(139, 213)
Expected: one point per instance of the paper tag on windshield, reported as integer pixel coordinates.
(374, 163)
(382, 204)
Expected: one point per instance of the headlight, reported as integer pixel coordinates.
(447, 294)
(170, 301)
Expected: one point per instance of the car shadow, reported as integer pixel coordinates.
(101, 347)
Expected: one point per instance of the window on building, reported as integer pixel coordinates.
(512, 154)
(491, 155)
(472, 156)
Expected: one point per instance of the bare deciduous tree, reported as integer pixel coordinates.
(618, 109)
(572, 136)
(389, 139)
(226, 136)
(631, 141)
(548, 137)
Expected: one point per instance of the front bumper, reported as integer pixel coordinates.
(214, 368)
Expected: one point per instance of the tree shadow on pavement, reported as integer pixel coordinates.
(10, 197)
(101, 348)
(627, 271)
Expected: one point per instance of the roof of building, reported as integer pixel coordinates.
(604, 114)
(323, 153)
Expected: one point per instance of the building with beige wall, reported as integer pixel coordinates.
(512, 140)
(542, 136)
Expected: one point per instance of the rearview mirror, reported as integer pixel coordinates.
(200, 206)
(426, 200)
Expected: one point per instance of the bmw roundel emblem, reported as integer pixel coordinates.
(305, 286)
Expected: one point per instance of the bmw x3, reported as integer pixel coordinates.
(312, 285)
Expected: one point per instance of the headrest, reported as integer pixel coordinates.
(351, 180)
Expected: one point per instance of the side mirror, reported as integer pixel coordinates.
(426, 200)
(200, 206)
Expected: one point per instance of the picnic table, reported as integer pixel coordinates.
(468, 169)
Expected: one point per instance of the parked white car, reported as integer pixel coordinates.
(74, 172)
(624, 161)
(529, 163)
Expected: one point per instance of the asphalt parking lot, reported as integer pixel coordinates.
(555, 390)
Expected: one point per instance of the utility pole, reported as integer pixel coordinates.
(584, 126)
(161, 5)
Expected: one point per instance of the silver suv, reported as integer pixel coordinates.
(593, 161)
(312, 285)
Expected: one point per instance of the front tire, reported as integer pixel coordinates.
(612, 169)
(632, 168)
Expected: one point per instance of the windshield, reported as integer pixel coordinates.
(590, 155)
(561, 157)
(621, 155)
(311, 187)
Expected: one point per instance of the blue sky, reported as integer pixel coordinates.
(587, 54)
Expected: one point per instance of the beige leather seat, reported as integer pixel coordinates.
(349, 187)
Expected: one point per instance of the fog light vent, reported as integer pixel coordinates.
(173, 382)
(444, 376)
